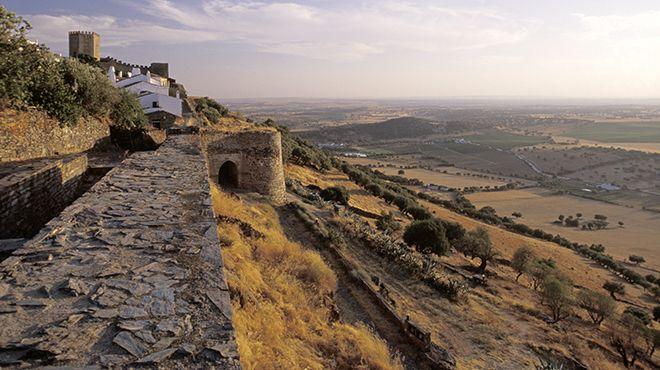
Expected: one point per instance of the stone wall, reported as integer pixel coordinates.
(32, 134)
(257, 152)
(128, 276)
(32, 193)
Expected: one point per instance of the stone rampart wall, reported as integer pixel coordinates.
(34, 192)
(128, 276)
(32, 134)
(256, 152)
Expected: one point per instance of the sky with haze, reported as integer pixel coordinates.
(375, 49)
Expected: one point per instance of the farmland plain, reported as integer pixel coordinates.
(540, 207)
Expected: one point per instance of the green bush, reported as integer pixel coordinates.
(337, 194)
(418, 213)
(127, 112)
(65, 88)
(427, 236)
(387, 223)
(211, 109)
(639, 313)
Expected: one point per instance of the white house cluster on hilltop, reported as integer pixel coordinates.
(160, 95)
(153, 91)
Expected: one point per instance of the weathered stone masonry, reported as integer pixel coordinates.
(257, 154)
(31, 193)
(129, 274)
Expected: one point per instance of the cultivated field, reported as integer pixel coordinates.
(640, 234)
(504, 140)
(617, 132)
(450, 179)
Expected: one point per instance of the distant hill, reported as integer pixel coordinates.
(403, 127)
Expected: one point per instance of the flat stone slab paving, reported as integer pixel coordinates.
(129, 275)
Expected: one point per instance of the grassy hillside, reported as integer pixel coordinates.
(281, 297)
(503, 324)
(397, 128)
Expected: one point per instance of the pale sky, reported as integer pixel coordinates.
(375, 49)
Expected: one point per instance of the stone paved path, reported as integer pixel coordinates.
(129, 274)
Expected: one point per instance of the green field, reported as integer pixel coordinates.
(504, 140)
(647, 132)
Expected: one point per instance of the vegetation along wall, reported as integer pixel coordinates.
(32, 134)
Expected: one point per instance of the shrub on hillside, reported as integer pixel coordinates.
(418, 213)
(427, 236)
(639, 313)
(127, 112)
(301, 152)
(614, 288)
(211, 109)
(337, 194)
(387, 224)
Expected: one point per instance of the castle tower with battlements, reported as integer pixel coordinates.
(85, 43)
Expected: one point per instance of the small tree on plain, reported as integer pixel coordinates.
(598, 306)
(521, 260)
(614, 288)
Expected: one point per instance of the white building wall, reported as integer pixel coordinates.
(143, 86)
(165, 103)
(150, 90)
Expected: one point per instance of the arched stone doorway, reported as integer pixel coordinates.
(228, 175)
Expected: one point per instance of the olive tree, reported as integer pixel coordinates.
(557, 296)
(614, 288)
(427, 236)
(521, 260)
(598, 306)
(477, 244)
(627, 336)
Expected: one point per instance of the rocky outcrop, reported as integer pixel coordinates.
(130, 274)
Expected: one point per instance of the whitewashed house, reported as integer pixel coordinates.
(153, 92)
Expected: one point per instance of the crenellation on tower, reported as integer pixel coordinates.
(85, 43)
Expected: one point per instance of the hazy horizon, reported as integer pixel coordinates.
(376, 50)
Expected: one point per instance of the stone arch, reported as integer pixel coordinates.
(228, 175)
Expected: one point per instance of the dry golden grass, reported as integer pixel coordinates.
(279, 296)
(359, 198)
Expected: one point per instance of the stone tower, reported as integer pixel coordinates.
(85, 42)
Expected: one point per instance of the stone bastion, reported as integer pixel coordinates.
(246, 159)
